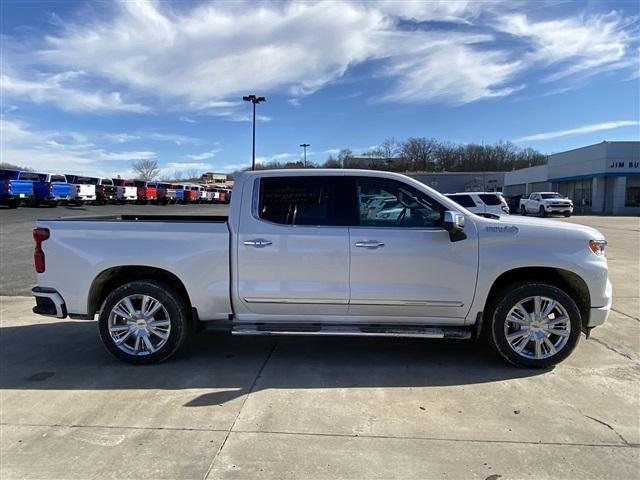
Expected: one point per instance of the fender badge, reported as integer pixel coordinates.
(512, 229)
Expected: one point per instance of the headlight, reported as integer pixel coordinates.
(597, 246)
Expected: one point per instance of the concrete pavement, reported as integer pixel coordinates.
(242, 407)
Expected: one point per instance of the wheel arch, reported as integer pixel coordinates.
(111, 278)
(566, 280)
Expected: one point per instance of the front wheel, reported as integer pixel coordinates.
(567, 214)
(523, 211)
(534, 325)
(543, 212)
(143, 322)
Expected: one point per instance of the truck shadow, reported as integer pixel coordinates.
(69, 356)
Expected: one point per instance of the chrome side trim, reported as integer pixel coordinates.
(407, 303)
(306, 301)
(326, 301)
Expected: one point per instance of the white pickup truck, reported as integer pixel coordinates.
(546, 203)
(298, 254)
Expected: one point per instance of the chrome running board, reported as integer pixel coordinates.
(352, 330)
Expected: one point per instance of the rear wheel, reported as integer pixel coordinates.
(143, 322)
(534, 325)
(78, 203)
(14, 203)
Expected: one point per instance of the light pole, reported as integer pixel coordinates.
(305, 145)
(255, 100)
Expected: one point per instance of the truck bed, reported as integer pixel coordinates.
(195, 249)
(145, 218)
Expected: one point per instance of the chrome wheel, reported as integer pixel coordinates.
(139, 325)
(537, 327)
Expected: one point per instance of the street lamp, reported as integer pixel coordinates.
(305, 145)
(255, 100)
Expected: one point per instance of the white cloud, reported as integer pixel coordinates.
(596, 127)
(121, 137)
(204, 155)
(578, 44)
(128, 156)
(61, 151)
(54, 89)
(202, 59)
(187, 120)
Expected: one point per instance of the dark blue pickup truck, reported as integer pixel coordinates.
(49, 189)
(14, 191)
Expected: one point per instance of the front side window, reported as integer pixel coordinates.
(548, 196)
(464, 200)
(312, 200)
(490, 199)
(389, 203)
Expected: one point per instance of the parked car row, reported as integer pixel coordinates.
(18, 187)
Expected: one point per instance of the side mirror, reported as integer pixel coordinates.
(454, 224)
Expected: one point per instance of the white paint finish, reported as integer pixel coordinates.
(197, 253)
(414, 266)
(305, 267)
(412, 272)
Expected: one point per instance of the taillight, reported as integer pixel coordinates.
(39, 235)
(78, 188)
(50, 188)
(7, 184)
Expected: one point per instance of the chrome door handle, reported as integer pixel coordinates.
(371, 244)
(258, 243)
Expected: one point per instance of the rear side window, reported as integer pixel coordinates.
(490, 199)
(8, 174)
(58, 178)
(464, 200)
(33, 177)
(317, 200)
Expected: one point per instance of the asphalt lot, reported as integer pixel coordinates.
(242, 407)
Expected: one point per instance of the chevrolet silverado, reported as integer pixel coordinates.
(299, 254)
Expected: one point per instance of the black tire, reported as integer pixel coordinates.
(507, 299)
(523, 211)
(543, 212)
(78, 203)
(567, 214)
(14, 203)
(175, 307)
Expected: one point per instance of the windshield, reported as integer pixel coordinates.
(551, 195)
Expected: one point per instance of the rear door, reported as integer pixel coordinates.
(293, 248)
(405, 265)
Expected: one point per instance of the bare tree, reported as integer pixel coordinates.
(331, 163)
(177, 175)
(192, 174)
(343, 157)
(146, 169)
(419, 151)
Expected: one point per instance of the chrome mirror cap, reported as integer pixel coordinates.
(453, 223)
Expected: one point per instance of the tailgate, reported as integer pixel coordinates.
(87, 190)
(61, 189)
(21, 187)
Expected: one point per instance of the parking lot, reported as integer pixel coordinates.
(265, 407)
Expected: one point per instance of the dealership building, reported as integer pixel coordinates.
(602, 178)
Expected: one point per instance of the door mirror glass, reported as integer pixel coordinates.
(454, 224)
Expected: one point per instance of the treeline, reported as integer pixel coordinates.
(428, 155)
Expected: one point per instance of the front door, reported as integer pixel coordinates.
(293, 250)
(403, 263)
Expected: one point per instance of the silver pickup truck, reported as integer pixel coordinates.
(303, 252)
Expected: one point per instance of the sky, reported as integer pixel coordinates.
(91, 87)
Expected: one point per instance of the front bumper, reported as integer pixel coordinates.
(49, 302)
(598, 315)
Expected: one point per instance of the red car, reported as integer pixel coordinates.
(147, 191)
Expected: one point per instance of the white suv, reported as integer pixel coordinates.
(481, 203)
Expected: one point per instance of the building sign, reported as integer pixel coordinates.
(618, 165)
